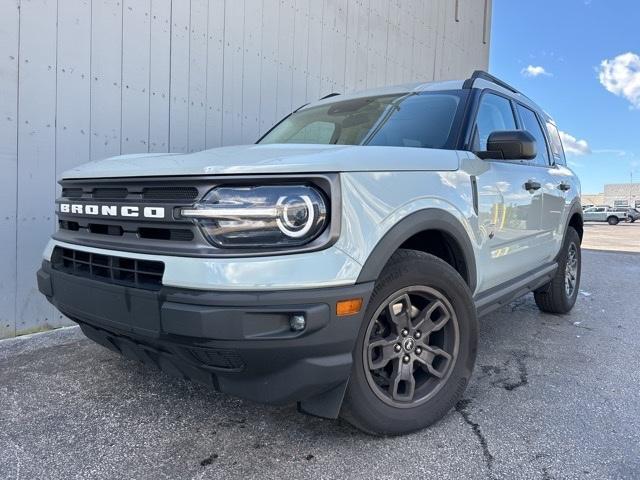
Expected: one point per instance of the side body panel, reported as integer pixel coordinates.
(510, 220)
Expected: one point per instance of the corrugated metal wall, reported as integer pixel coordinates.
(83, 79)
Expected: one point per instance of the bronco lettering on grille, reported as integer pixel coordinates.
(112, 210)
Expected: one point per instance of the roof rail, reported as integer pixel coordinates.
(468, 83)
(334, 94)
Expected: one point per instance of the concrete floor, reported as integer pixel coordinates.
(552, 397)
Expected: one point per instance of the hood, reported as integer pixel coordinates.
(268, 159)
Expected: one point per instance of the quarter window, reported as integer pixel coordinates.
(494, 114)
(556, 144)
(531, 124)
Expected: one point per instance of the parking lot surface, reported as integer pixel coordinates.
(551, 397)
(624, 237)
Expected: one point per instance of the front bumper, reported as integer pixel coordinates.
(238, 342)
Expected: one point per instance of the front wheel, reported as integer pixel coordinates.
(416, 350)
(560, 294)
(612, 220)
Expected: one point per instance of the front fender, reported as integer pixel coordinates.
(381, 210)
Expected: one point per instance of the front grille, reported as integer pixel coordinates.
(134, 193)
(139, 233)
(130, 272)
(219, 358)
(170, 234)
(108, 194)
(170, 193)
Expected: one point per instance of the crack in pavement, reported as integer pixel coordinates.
(503, 373)
(462, 409)
(522, 372)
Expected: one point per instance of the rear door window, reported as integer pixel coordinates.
(531, 124)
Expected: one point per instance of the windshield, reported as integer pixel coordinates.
(422, 119)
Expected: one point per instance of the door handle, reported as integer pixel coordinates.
(532, 185)
(564, 186)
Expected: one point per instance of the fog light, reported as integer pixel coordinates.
(297, 323)
(348, 307)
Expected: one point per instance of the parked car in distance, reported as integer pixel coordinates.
(341, 262)
(611, 215)
(633, 214)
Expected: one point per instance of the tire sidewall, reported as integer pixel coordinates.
(426, 270)
(571, 238)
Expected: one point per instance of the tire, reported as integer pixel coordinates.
(556, 297)
(440, 302)
(612, 220)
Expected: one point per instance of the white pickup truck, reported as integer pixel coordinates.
(611, 215)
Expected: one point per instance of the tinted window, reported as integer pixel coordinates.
(556, 144)
(408, 120)
(531, 124)
(494, 114)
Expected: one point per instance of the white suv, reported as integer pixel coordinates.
(340, 263)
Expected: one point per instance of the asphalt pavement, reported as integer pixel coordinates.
(551, 397)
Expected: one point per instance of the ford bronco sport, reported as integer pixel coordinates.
(340, 263)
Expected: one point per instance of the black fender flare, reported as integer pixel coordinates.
(416, 222)
(573, 209)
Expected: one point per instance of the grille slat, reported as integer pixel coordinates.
(150, 194)
(151, 233)
(136, 273)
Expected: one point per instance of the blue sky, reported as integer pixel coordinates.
(553, 50)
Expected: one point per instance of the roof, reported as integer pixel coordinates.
(478, 80)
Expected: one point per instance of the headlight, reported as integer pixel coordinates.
(276, 216)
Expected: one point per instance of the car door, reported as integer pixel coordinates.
(589, 214)
(553, 196)
(594, 214)
(509, 201)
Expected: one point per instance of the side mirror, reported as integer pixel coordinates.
(510, 145)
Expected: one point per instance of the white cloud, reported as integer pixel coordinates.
(621, 76)
(534, 71)
(612, 151)
(573, 146)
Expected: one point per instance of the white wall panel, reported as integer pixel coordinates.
(215, 72)
(269, 65)
(198, 75)
(73, 116)
(300, 53)
(284, 83)
(136, 49)
(233, 78)
(251, 62)
(37, 161)
(87, 79)
(179, 83)
(159, 75)
(9, 58)
(106, 78)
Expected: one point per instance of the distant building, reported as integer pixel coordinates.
(615, 195)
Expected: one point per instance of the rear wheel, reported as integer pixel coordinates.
(612, 220)
(559, 295)
(416, 350)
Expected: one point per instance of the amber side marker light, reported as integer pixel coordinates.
(348, 307)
